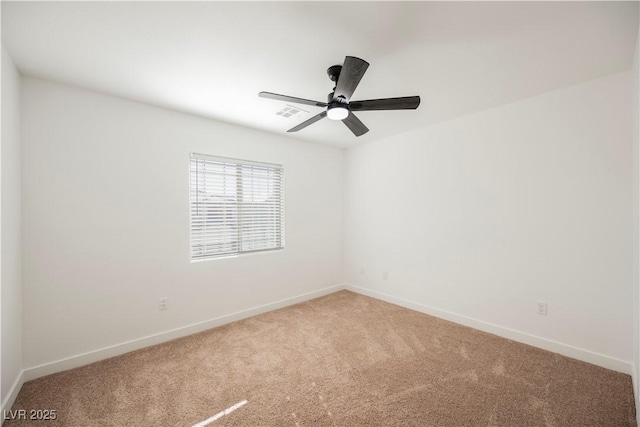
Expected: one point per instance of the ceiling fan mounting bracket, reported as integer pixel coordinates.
(334, 72)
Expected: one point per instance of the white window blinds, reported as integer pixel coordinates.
(236, 206)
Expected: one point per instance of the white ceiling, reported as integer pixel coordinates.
(212, 58)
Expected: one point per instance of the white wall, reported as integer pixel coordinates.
(635, 75)
(106, 225)
(10, 267)
(480, 217)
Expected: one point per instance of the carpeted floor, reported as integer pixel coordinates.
(340, 360)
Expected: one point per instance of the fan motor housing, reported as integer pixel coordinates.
(331, 99)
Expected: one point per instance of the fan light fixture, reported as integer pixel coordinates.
(337, 113)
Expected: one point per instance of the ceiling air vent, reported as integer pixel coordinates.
(290, 111)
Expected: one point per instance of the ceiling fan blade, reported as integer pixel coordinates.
(352, 71)
(355, 125)
(291, 99)
(308, 122)
(404, 103)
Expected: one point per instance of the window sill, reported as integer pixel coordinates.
(239, 255)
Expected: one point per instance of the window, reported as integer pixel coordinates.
(236, 206)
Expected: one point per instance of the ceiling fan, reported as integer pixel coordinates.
(339, 105)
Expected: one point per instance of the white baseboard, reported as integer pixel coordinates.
(125, 347)
(564, 349)
(7, 403)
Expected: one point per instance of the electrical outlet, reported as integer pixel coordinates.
(385, 275)
(542, 308)
(163, 304)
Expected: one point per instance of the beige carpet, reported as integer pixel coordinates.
(340, 360)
